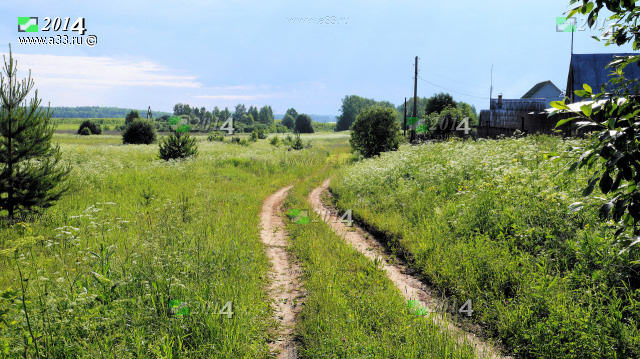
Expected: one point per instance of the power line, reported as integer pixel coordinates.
(454, 91)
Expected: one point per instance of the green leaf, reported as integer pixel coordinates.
(604, 210)
(102, 279)
(590, 186)
(562, 122)
(582, 93)
(605, 183)
(559, 105)
(586, 109)
(575, 207)
(586, 87)
(573, 11)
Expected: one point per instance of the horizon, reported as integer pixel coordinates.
(279, 54)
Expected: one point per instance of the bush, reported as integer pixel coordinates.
(288, 140)
(254, 136)
(274, 141)
(131, 116)
(280, 129)
(178, 145)
(84, 131)
(297, 143)
(139, 132)
(215, 137)
(92, 127)
(237, 140)
(375, 130)
(303, 124)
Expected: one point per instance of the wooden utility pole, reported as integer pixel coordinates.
(404, 128)
(415, 100)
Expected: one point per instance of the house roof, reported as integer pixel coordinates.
(592, 70)
(539, 86)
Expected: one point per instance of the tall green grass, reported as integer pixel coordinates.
(140, 258)
(489, 221)
(352, 310)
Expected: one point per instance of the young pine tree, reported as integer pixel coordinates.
(30, 173)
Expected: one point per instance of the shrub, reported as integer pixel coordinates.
(178, 145)
(84, 131)
(297, 143)
(215, 137)
(92, 127)
(131, 116)
(375, 130)
(237, 140)
(303, 124)
(274, 141)
(139, 132)
(288, 140)
(254, 136)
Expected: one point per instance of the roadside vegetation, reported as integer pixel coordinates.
(491, 221)
(146, 258)
(352, 310)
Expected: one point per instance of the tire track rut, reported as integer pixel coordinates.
(411, 287)
(285, 289)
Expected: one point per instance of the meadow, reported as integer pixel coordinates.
(490, 221)
(147, 258)
(151, 259)
(72, 124)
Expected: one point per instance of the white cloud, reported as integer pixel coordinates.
(99, 72)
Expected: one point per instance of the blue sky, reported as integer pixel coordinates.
(210, 53)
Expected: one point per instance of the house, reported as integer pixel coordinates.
(546, 90)
(592, 69)
(526, 114)
(531, 112)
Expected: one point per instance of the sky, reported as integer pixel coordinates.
(284, 54)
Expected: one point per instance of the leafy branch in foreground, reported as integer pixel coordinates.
(612, 119)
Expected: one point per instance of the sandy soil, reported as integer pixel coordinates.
(285, 289)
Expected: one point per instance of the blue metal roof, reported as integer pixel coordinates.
(592, 70)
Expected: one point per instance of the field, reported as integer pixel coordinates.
(72, 124)
(489, 221)
(136, 236)
(151, 259)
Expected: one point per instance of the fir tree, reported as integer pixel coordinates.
(30, 173)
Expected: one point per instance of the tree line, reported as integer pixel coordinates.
(95, 112)
(431, 108)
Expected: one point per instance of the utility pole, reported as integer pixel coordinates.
(404, 128)
(415, 100)
(491, 88)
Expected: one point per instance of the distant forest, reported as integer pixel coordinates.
(99, 112)
(117, 112)
(315, 118)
